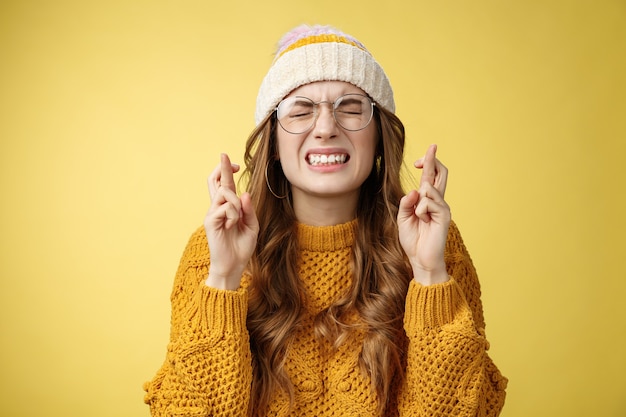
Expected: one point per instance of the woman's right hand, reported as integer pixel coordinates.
(231, 228)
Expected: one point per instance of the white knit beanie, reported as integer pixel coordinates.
(321, 53)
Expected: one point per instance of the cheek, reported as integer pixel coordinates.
(287, 148)
(368, 144)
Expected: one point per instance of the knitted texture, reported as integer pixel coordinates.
(207, 371)
(321, 53)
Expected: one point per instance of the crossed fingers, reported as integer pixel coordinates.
(433, 171)
(225, 203)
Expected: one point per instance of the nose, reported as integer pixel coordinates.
(325, 125)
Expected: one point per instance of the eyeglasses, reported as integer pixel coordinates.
(298, 114)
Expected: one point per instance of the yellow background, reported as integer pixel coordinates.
(113, 113)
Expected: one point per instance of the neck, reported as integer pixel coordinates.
(316, 210)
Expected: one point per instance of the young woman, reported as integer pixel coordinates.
(324, 289)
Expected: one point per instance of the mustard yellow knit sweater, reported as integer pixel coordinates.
(207, 370)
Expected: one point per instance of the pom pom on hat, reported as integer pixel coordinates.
(321, 53)
(322, 33)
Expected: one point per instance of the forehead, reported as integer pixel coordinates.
(326, 90)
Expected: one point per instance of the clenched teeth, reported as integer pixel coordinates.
(323, 159)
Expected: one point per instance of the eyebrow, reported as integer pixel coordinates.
(303, 99)
(350, 100)
(330, 93)
(347, 100)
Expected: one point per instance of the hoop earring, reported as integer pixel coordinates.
(269, 187)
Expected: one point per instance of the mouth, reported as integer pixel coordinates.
(327, 159)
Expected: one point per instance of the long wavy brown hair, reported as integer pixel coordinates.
(381, 273)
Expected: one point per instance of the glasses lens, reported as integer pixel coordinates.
(353, 111)
(296, 114)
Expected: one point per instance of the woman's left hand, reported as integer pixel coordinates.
(423, 221)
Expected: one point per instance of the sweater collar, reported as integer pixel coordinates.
(326, 238)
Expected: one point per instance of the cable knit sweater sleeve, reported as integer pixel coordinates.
(448, 370)
(207, 370)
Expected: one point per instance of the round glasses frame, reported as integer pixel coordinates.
(308, 119)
